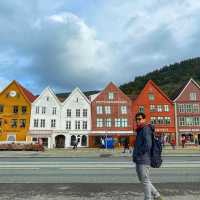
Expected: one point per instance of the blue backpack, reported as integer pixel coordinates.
(156, 150)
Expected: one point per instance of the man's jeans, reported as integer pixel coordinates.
(143, 176)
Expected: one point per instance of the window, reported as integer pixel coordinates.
(84, 112)
(167, 120)
(47, 98)
(107, 109)
(99, 110)
(69, 113)
(153, 120)
(1, 108)
(196, 121)
(196, 108)
(68, 125)
(85, 125)
(124, 122)
(141, 109)
(108, 122)
(22, 123)
(152, 108)
(110, 95)
(11, 138)
(160, 120)
(159, 107)
(36, 123)
(99, 122)
(14, 123)
(37, 110)
(54, 111)
(166, 108)
(43, 110)
(42, 123)
(182, 121)
(117, 122)
(151, 96)
(24, 109)
(77, 125)
(193, 96)
(53, 123)
(15, 109)
(78, 113)
(124, 109)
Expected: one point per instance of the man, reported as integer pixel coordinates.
(142, 156)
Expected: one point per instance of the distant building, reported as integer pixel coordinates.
(187, 107)
(15, 110)
(159, 110)
(111, 117)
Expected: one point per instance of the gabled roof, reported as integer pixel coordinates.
(182, 89)
(25, 92)
(73, 92)
(51, 92)
(158, 89)
(115, 86)
(28, 94)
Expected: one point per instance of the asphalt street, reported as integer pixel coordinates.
(95, 178)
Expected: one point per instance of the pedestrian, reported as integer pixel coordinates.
(126, 145)
(173, 143)
(102, 143)
(75, 144)
(142, 156)
(183, 141)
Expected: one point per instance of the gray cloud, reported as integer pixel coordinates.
(115, 41)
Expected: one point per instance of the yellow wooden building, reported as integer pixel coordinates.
(15, 111)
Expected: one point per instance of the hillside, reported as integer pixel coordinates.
(169, 78)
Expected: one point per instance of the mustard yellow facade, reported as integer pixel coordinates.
(15, 110)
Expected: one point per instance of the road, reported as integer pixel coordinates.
(95, 178)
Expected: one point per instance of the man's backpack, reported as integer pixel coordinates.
(156, 150)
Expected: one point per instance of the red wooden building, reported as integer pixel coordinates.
(187, 107)
(159, 110)
(111, 116)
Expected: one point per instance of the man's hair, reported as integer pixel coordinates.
(140, 114)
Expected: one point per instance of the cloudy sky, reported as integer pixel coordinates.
(88, 43)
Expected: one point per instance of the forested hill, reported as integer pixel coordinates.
(169, 78)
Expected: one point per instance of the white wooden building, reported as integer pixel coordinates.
(76, 118)
(58, 124)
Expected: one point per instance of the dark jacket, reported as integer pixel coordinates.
(142, 147)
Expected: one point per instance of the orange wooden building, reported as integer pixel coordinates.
(159, 110)
(15, 110)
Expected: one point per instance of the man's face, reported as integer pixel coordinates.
(140, 120)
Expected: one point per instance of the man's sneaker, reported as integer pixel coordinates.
(158, 198)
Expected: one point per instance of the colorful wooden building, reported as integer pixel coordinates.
(187, 107)
(159, 110)
(15, 109)
(111, 117)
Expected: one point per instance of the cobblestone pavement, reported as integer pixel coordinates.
(95, 191)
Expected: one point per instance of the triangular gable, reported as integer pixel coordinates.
(29, 97)
(117, 88)
(72, 94)
(191, 80)
(157, 88)
(51, 92)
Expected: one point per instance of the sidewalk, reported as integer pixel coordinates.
(96, 152)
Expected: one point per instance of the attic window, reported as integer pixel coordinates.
(77, 100)
(193, 96)
(151, 97)
(47, 98)
(110, 95)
